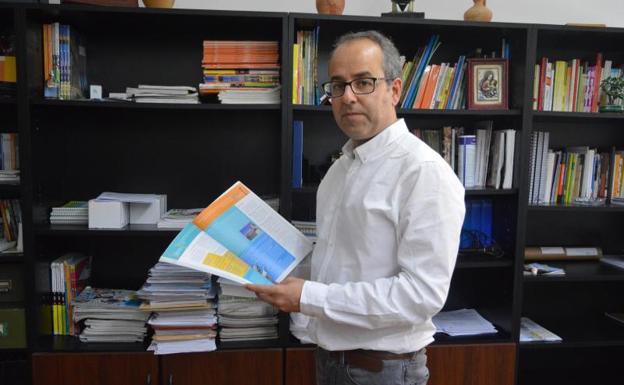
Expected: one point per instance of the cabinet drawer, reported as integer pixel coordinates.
(12, 329)
(11, 283)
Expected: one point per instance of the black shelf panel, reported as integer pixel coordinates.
(273, 343)
(83, 230)
(71, 344)
(580, 271)
(7, 101)
(558, 115)
(582, 331)
(11, 257)
(9, 190)
(426, 112)
(491, 191)
(479, 261)
(153, 106)
(311, 189)
(500, 337)
(603, 208)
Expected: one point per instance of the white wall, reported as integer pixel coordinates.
(610, 12)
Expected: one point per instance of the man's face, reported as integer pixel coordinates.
(361, 117)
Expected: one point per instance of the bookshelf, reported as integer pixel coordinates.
(573, 306)
(13, 268)
(75, 149)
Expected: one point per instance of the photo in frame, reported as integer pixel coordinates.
(488, 84)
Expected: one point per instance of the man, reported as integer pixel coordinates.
(389, 215)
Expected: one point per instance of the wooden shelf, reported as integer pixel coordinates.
(424, 112)
(311, 189)
(581, 331)
(83, 230)
(604, 208)
(580, 271)
(552, 115)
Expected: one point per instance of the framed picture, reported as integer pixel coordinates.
(487, 84)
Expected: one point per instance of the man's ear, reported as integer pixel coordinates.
(396, 86)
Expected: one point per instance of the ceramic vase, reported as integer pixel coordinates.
(330, 7)
(158, 3)
(478, 12)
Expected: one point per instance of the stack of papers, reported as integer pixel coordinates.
(250, 96)
(182, 302)
(542, 269)
(243, 317)
(162, 94)
(531, 331)
(71, 213)
(110, 315)
(464, 322)
(9, 176)
(177, 218)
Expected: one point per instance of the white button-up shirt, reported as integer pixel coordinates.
(389, 214)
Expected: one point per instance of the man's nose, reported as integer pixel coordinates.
(349, 96)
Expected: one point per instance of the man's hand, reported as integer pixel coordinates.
(284, 296)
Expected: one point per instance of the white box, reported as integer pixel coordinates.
(148, 213)
(108, 214)
(95, 92)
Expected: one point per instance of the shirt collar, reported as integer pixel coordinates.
(377, 145)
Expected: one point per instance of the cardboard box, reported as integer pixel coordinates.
(148, 213)
(108, 214)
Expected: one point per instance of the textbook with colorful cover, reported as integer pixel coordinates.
(241, 238)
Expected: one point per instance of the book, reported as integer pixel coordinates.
(530, 331)
(613, 260)
(562, 253)
(241, 238)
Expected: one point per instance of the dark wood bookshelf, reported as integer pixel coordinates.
(147, 106)
(11, 257)
(162, 148)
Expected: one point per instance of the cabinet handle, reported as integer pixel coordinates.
(171, 379)
(149, 379)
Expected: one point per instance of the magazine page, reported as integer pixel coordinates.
(241, 238)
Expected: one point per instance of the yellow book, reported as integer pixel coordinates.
(8, 71)
(295, 69)
(446, 88)
(559, 93)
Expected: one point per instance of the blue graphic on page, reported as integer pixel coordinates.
(181, 241)
(234, 230)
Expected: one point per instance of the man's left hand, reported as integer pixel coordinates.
(284, 295)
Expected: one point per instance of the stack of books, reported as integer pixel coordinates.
(110, 315)
(145, 93)
(71, 213)
(70, 274)
(241, 71)
(181, 305)
(242, 316)
(64, 62)
(305, 64)
(9, 158)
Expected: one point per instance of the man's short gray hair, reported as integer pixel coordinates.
(392, 62)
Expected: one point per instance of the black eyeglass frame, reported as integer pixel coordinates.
(374, 79)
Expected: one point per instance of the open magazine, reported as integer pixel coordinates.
(241, 238)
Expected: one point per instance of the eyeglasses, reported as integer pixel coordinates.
(360, 86)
